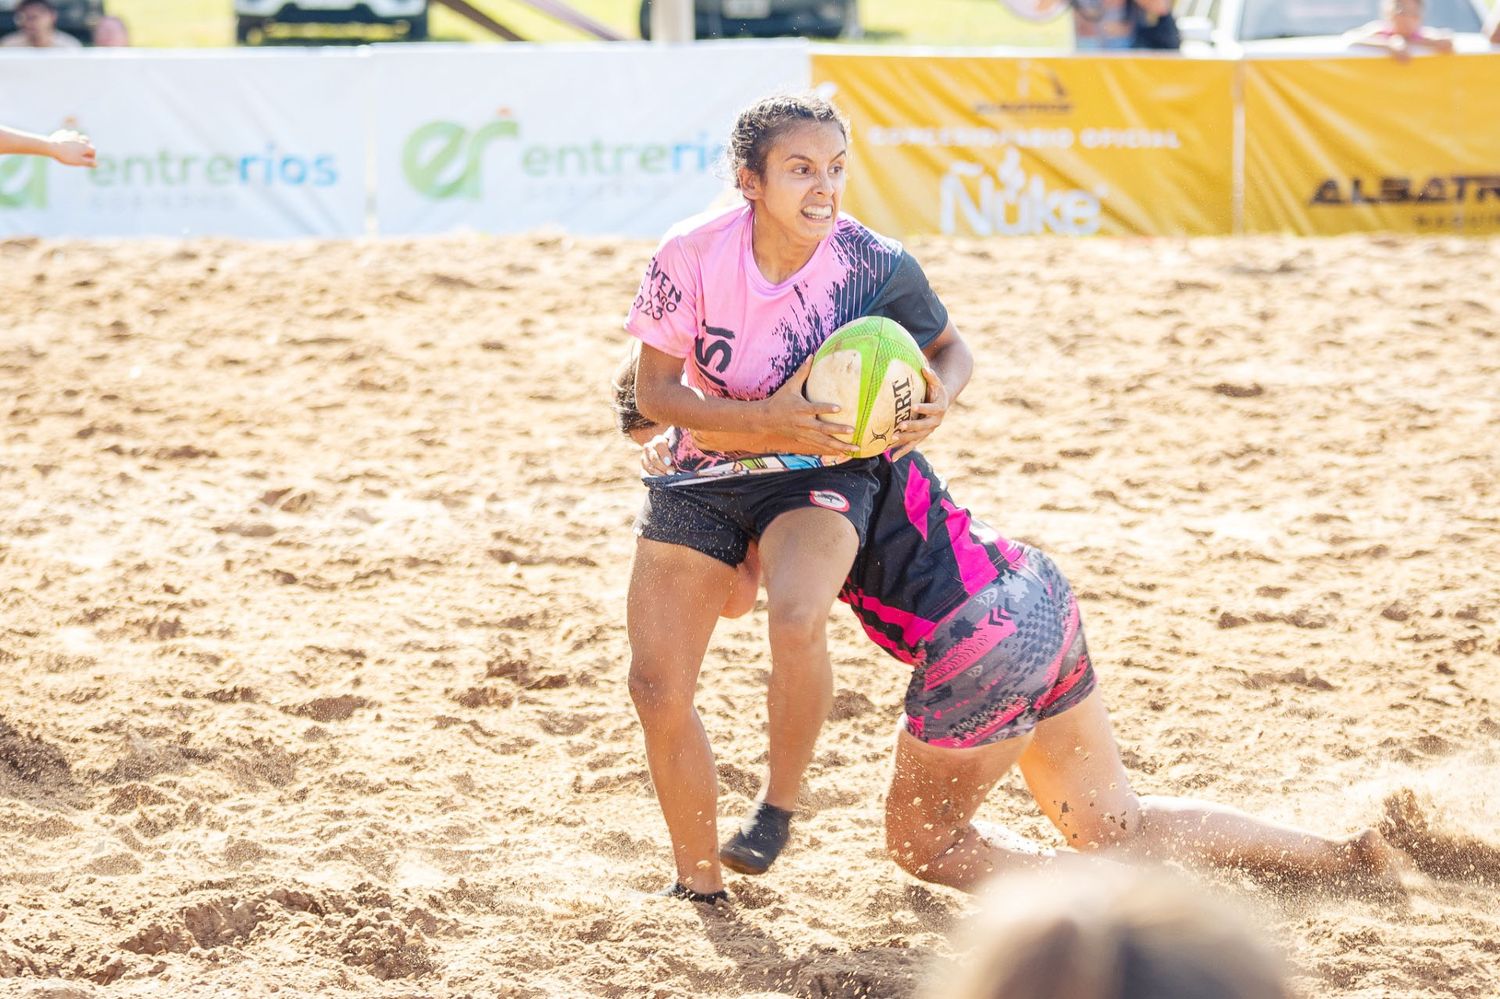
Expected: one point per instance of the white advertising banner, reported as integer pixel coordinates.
(607, 139)
(256, 144)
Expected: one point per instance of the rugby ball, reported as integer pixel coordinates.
(872, 369)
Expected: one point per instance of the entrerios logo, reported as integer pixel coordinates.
(442, 160)
(23, 179)
(1018, 205)
(271, 167)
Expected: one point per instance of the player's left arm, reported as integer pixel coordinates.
(1437, 39)
(950, 365)
(68, 147)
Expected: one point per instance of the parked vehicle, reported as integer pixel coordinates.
(768, 18)
(1264, 27)
(254, 18)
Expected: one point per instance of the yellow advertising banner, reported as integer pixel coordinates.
(990, 146)
(1360, 145)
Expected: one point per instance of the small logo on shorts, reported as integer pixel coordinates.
(829, 500)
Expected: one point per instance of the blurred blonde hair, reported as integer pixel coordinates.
(1110, 933)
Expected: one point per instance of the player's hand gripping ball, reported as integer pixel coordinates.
(872, 369)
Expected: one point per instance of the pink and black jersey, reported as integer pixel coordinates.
(924, 557)
(705, 300)
(990, 627)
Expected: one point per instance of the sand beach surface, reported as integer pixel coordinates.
(312, 572)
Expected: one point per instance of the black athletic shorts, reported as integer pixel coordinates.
(721, 516)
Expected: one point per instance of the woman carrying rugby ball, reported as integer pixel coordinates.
(729, 314)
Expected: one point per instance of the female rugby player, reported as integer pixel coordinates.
(731, 310)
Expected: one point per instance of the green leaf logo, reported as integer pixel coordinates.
(442, 160)
(23, 182)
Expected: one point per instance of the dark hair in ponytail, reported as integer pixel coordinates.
(758, 126)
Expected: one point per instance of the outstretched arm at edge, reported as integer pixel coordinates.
(67, 147)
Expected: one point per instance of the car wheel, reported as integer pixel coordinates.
(249, 30)
(416, 30)
(645, 20)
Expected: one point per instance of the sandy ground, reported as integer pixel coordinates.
(312, 565)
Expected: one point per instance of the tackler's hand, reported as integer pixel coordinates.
(656, 456)
(926, 416)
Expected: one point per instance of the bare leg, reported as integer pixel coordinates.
(1074, 771)
(746, 588)
(674, 601)
(806, 554)
(934, 793)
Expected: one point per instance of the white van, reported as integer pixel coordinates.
(1306, 27)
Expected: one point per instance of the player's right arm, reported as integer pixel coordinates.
(668, 318)
(784, 422)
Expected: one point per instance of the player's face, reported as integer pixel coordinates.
(803, 182)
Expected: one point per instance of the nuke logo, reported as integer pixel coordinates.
(23, 182)
(1038, 90)
(443, 159)
(1013, 203)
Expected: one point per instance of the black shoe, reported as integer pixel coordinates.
(759, 842)
(677, 890)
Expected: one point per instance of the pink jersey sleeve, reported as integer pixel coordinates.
(664, 314)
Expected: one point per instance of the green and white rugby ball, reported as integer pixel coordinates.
(872, 369)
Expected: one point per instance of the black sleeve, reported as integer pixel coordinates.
(910, 300)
